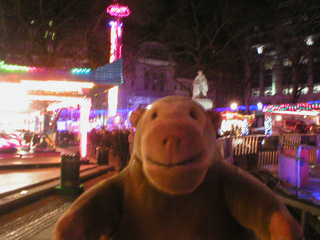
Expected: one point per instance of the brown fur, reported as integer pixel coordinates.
(177, 188)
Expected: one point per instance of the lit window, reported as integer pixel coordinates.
(255, 92)
(316, 88)
(285, 91)
(268, 92)
(304, 90)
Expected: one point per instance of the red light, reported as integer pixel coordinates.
(118, 10)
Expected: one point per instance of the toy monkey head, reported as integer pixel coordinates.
(175, 143)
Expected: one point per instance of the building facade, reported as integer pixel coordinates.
(152, 76)
(286, 75)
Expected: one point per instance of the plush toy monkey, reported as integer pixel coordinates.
(177, 188)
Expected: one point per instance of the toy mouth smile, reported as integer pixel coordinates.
(182, 163)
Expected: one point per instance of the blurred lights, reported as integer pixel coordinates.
(234, 106)
(4, 143)
(55, 86)
(117, 119)
(309, 41)
(278, 118)
(229, 125)
(117, 10)
(114, 37)
(59, 102)
(10, 67)
(13, 97)
(113, 100)
(260, 49)
(230, 115)
(85, 106)
(80, 70)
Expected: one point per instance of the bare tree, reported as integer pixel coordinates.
(194, 32)
(40, 32)
(297, 21)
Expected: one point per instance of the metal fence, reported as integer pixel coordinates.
(257, 152)
(260, 152)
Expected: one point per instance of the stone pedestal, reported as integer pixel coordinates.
(206, 103)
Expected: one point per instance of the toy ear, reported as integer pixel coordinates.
(135, 116)
(215, 118)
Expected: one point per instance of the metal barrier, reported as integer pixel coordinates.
(262, 152)
(268, 160)
(307, 141)
(257, 152)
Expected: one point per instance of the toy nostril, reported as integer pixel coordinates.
(165, 141)
(177, 141)
(154, 115)
(193, 115)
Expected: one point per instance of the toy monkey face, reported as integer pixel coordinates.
(176, 139)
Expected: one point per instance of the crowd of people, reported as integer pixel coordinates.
(65, 139)
(119, 140)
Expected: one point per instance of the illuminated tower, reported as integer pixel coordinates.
(117, 11)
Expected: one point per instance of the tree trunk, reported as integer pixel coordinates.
(247, 80)
(261, 79)
(310, 73)
(294, 96)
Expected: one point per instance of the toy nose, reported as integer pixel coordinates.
(174, 141)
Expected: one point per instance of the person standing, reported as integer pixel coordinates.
(94, 140)
(130, 140)
(124, 147)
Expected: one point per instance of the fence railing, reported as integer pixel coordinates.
(258, 152)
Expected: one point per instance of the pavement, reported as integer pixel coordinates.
(32, 179)
(31, 203)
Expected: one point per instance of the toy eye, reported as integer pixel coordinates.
(154, 115)
(193, 115)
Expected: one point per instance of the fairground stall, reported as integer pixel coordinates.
(292, 118)
(32, 99)
(235, 124)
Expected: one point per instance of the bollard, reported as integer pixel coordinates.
(70, 174)
(70, 170)
(99, 155)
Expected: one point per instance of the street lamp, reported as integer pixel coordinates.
(234, 106)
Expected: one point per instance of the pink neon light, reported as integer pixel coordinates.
(36, 69)
(120, 51)
(117, 10)
(113, 42)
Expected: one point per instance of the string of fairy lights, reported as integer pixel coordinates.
(313, 105)
(18, 68)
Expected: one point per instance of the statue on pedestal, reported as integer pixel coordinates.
(200, 86)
